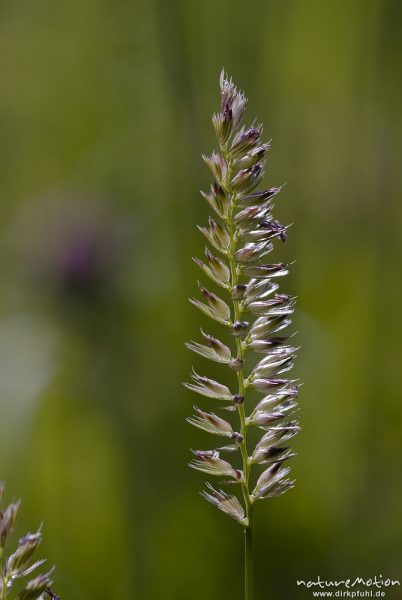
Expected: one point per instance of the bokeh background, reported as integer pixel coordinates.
(104, 112)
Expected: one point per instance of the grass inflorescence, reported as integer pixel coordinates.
(16, 569)
(243, 232)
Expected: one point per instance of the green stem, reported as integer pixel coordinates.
(3, 585)
(248, 528)
(248, 556)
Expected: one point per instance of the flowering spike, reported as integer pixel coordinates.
(228, 504)
(232, 99)
(210, 462)
(218, 267)
(245, 141)
(255, 312)
(214, 350)
(27, 546)
(251, 253)
(212, 270)
(208, 387)
(208, 352)
(217, 199)
(272, 482)
(18, 565)
(211, 423)
(259, 197)
(215, 307)
(218, 166)
(35, 588)
(217, 235)
(278, 270)
(7, 520)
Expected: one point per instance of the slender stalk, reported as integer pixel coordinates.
(3, 586)
(249, 557)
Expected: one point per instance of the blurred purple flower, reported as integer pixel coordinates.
(72, 244)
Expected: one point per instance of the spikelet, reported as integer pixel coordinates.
(19, 565)
(244, 233)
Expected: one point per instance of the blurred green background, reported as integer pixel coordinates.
(104, 111)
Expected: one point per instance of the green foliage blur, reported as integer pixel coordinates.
(104, 112)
